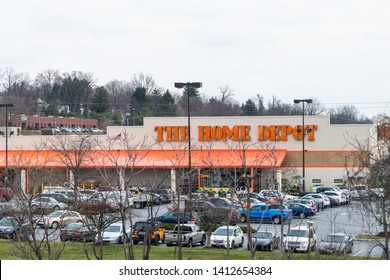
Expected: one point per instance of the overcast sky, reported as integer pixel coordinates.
(335, 51)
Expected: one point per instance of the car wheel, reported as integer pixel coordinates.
(203, 242)
(119, 241)
(12, 236)
(138, 205)
(243, 219)
(270, 247)
(157, 240)
(54, 225)
(56, 208)
(190, 243)
(302, 215)
(136, 242)
(233, 245)
(34, 208)
(242, 242)
(344, 252)
(276, 220)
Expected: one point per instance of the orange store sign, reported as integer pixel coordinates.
(237, 133)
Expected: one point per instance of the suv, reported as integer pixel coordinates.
(153, 229)
(300, 238)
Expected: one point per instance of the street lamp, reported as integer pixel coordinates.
(6, 141)
(303, 101)
(189, 85)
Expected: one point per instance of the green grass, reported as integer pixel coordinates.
(75, 251)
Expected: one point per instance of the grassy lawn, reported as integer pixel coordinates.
(75, 251)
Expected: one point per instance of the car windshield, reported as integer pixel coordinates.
(334, 238)
(298, 233)
(113, 229)
(263, 235)
(223, 231)
(74, 226)
(6, 222)
(54, 214)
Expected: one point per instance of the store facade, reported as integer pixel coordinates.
(266, 152)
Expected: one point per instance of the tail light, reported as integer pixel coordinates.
(342, 196)
(77, 232)
(193, 218)
(62, 231)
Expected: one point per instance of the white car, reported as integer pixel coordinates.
(220, 236)
(114, 233)
(338, 196)
(60, 218)
(300, 238)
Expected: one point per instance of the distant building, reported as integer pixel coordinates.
(39, 122)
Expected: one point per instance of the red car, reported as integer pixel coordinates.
(6, 194)
(97, 205)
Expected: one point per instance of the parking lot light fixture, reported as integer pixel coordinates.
(303, 101)
(5, 175)
(188, 85)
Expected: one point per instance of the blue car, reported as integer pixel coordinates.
(300, 210)
(172, 217)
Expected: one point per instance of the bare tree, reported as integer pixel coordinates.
(374, 160)
(124, 154)
(141, 80)
(31, 242)
(73, 152)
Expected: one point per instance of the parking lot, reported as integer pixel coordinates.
(345, 218)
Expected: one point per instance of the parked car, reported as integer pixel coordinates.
(11, 228)
(336, 243)
(57, 196)
(166, 193)
(47, 203)
(338, 196)
(78, 232)
(97, 205)
(265, 240)
(306, 201)
(226, 206)
(252, 195)
(6, 194)
(60, 218)
(267, 212)
(321, 200)
(190, 234)
(359, 192)
(227, 237)
(154, 230)
(300, 210)
(276, 195)
(300, 238)
(333, 201)
(172, 217)
(114, 233)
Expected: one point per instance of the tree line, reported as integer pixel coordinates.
(77, 94)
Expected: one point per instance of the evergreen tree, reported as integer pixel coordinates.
(100, 102)
(249, 109)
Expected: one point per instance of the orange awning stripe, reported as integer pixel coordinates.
(144, 159)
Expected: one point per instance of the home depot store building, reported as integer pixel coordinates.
(266, 151)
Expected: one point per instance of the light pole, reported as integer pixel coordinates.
(189, 85)
(6, 141)
(303, 101)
